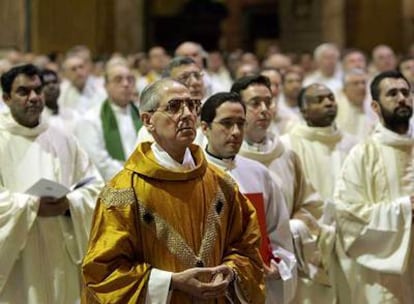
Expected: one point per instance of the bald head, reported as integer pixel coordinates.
(192, 50)
(318, 106)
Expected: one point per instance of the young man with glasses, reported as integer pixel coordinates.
(169, 228)
(223, 117)
(304, 204)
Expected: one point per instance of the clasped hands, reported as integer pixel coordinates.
(204, 283)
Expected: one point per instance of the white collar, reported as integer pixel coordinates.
(165, 160)
(117, 109)
(226, 164)
(8, 123)
(388, 137)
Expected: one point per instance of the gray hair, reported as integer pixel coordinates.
(352, 72)
(323, 48)
(151, 95)
(176, 62)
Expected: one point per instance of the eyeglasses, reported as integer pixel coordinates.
(320, 98)
(186, 77)
(256, 103)
(176, 105)
(130, 79)
(229, 124)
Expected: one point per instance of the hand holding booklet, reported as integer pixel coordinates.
(46, 187)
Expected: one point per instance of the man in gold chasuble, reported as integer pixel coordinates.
(169, 228)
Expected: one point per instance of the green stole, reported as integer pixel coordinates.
(111, 133)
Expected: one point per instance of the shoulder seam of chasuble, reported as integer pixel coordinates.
(227, 184)
(175, 243)
(112, 197)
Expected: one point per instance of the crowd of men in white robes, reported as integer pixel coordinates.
(325, 150)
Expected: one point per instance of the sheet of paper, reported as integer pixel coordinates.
(46, 187)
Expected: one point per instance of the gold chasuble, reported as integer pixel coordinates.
(151, 217)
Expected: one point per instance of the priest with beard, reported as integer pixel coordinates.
(375, 202)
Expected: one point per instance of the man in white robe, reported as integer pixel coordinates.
(222, 121)
(288, 110)
(42, 239)
(353, 117)
(320, 146)
(312, 240)
(374, 201)
(196, 52)
(328, 72)
(79, 91)
(157, 62)
(108, 131)
(63, 118)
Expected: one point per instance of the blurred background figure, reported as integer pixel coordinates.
(353, 59)
(157, 62)
(406, 67)
(328, 71)
(352, 114)
(383, 59)
(219, 74)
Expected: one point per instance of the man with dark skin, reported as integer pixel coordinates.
(42, 238)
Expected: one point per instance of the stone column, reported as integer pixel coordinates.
(12, 24)
(408, 23)
(333, 22)
(231, 28)
(301, 24)
(129, 26)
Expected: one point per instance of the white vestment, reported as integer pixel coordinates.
(334, 83)
(352, 119)
(321, 151)
(65, 120)
(313, 241)
(89, 131)
(252, 177)
(221, 80)
(40, 257)
(92, 95)
(374, 219)
(286, 117)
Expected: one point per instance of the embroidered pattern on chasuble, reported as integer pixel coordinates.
(165, 233)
